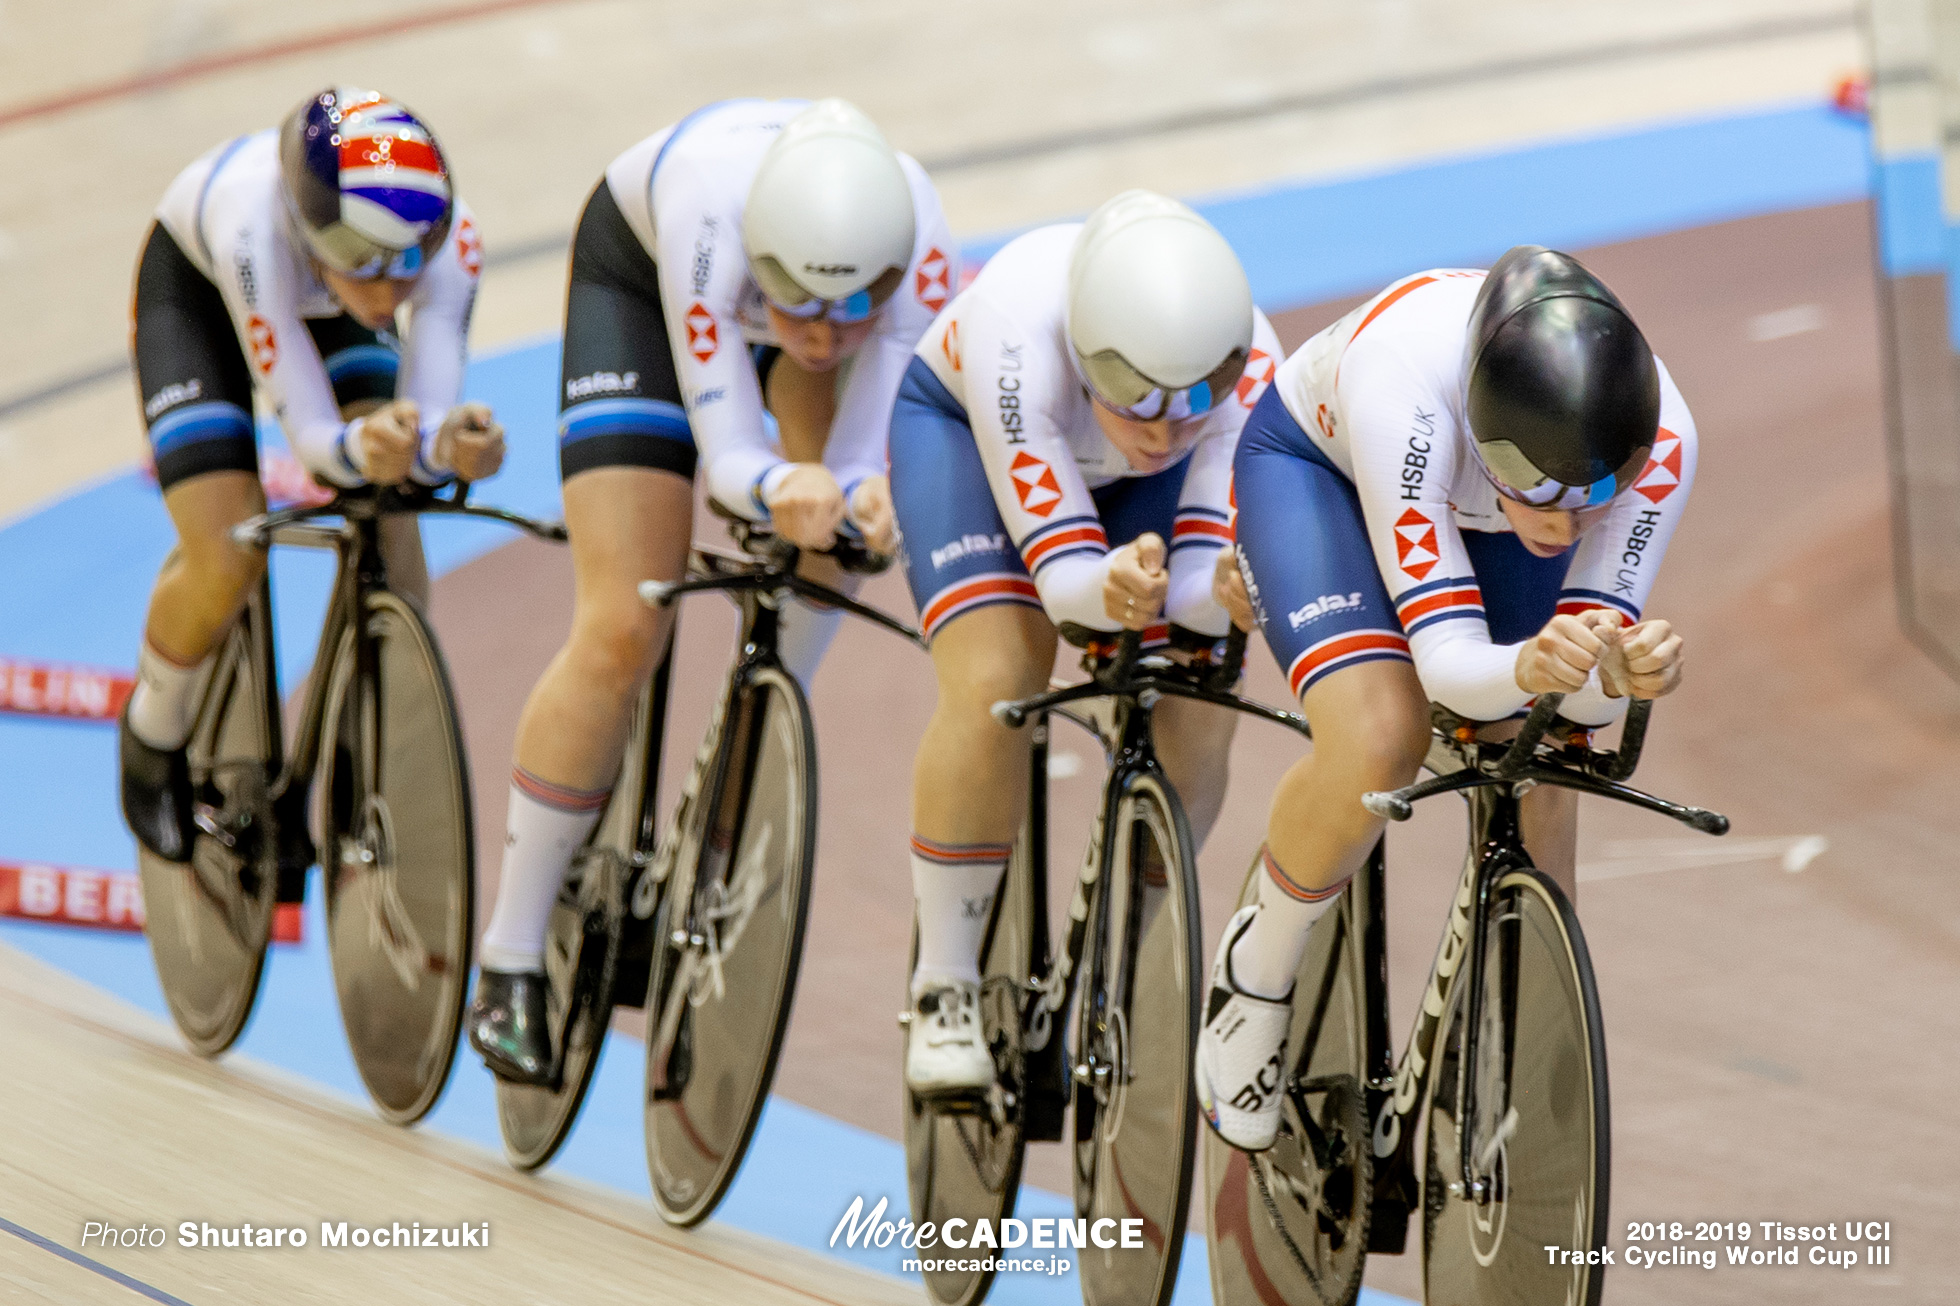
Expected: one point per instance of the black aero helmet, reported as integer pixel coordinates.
(1563, 396)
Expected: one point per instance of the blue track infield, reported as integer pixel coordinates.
(75, 578)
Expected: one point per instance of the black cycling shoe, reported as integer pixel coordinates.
(156, 796)
(507, 1025)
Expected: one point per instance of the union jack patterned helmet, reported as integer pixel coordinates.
(366, 183)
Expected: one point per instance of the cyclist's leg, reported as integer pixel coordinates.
(627, 458)
(1326, 615)
(1301, 543)
(197, 401)
(1521, 593)
(990, 640)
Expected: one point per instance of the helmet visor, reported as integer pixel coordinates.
(1124, 390)
(358, 258)
(1512, 475)
(790, 299)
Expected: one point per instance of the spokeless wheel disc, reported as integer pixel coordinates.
(582, 952)
(728, 941)
(208, 921)
(1291, 1223)
(1136, 1031)
(1538, 1126)
(966, 1163)
(396, 851)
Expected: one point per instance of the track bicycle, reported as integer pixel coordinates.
(379, 748)
(704, 928)
(1494, 1126)
(1108, 1023)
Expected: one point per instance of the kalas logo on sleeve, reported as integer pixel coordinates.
(1663, 470)
(931, 281)
(1035, 484)
(703, 336)
(1415, 543)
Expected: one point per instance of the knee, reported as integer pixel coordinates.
(973, 683)
(613, 643)
(220, 565)
(1381, 739)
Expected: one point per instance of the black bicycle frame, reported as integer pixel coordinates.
(1505, 774)
(1136, 685)
(359, 570)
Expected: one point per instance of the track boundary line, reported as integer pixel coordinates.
(400, 1140)
(227, 60)
(88, 1263)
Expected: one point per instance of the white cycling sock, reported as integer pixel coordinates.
(547, 824)
(804, 633)
(953, 887)
(161, 710)
(1267, 955)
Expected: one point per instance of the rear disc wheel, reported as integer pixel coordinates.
(1293, 1220)
(208, 920)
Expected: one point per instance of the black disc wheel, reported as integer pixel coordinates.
(398, 859)
(728, 938)
(1136, 1029)
(582, 955)
(1291, 1223)
(208, 920)
(963, 1160)
(1536, 1115)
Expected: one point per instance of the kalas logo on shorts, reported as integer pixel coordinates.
(931, 282)
(1415, 543)
(265, 345)
(703, 337)
(1035, 484)
(1663, 470)
(1321, 606)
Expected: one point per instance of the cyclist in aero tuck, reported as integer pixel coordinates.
(779, 224)
(1061, 452)
(278, 263)
(1459, 492)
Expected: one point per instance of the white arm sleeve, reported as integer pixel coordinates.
(1042, 498)
(435, 347)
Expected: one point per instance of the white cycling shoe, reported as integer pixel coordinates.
(946, 1050)
(1241, 1069)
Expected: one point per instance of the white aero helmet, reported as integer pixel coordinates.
(828, 225)
(1159, 310)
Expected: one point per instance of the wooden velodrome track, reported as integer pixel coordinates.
(1780, 1041)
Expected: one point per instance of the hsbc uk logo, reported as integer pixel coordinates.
(1415, 544)
(932, 282)
(1663, 470)
(1035, 484)
(469, 247)
(264, 343)
(703, 336)
(1259, 369)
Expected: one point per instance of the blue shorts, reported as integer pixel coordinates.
(1304, 550)
(958, 556)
